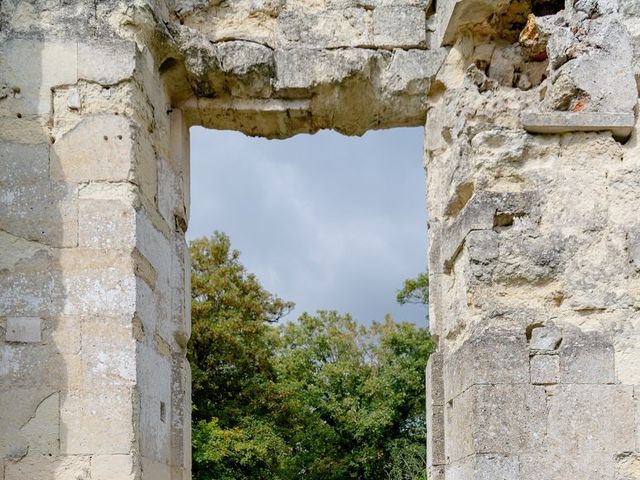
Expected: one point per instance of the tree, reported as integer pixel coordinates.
(230, 353)
(322, 398)
(359, 394)
(414, 290)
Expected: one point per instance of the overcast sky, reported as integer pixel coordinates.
(327, 221)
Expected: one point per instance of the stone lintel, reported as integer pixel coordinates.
(620, 124)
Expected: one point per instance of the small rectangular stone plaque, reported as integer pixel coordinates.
(24, 329)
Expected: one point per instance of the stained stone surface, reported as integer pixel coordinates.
(532, 157)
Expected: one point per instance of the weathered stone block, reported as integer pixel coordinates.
(410, 71)
(348, 27)
(156, 470)
(24, 329)
(505, 419)
(545, 369)
(98, 148)
(106, 216)
(41, 211)
(97, 422)
(605, 411)
(23, 163)
(50, 63)
(72, 467)
(399, 27)
(42, 432)
(435, 380)
(97, 282)
(108, 353)
(436, 434)
(488, 466)
(300, 68)
(544, 337)
(110, 467)
(586, 358)
(467, 366)
(155, 379)
(106, 64)
(627, 466)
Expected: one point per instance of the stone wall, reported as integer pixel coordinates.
(532, 159)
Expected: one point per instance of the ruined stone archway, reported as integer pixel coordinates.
(533, 258)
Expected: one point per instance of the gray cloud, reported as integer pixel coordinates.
(327, 221)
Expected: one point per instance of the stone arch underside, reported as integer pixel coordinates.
(532, 157)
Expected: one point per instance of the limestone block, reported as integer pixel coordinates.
(545, 369)
(411, 71)
(156, 249)
(605, 411)
(108, 354)
(504, 419)
(106, 216)
(348, 27)
(74, 467)
(24, 402)
(97, 422)
(16, 251)
(487, 466)
(40, 211)
(467, 366)
(170, 195)
(27, 130)
(627, 466)
(435, 384)
(110, 467)
(435, 435)
(586, 358)
(42, 432)
(156, 470)
(51, 63)
(147, 311)
(99, 148)
(33, 288)
(63, 333)
(106, 64)
(299, 68)
(23, 163)
(248, 65)
(550, 465)
(24, 329)
(179, 155)
(545, 337)
(436, 472)
(154, 374)
(97, 282)
(180, 411)
(627, 351)
(399, 26)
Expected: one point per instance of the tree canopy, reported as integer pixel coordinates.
(322, 398)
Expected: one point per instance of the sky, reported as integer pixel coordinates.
(326, 221)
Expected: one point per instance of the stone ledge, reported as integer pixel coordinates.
(620, 124)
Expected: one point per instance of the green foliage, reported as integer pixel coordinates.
(322, 398)
(357, 391)
(414, 290)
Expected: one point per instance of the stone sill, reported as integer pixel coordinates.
(620, 124)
